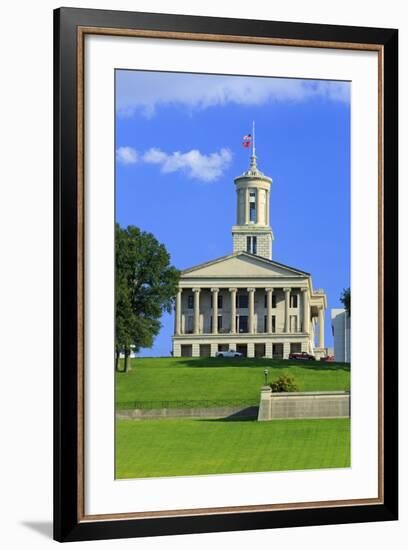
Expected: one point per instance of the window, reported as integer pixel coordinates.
(252, 212)
(242, 300)
(251, 245)
(293, 323)
(273, 300)
(219, 322)
(219, 301)
(190, 301)
(252, 206)
(273, 323)
(243, 323)
(293, 300)
(190, 324)
(295, 347)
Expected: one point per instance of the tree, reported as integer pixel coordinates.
(146, 285)
(345, 299)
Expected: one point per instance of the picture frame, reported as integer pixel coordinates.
(71, 26)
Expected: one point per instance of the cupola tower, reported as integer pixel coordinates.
(252, 232)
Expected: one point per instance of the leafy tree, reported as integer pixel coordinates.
(146, 284)
(345, 299)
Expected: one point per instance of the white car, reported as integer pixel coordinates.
(229, 353)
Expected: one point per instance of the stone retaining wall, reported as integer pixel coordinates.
(272, 406)
(211, 412)
(334, 404)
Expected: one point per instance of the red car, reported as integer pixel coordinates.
(328, 358)
(303, 356)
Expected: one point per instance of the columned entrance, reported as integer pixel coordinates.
(260, 350)
(277, 351)
(186, 350)
(242, 348)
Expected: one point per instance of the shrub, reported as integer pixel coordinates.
(284, 383)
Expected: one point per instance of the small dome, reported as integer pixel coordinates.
(253, 172)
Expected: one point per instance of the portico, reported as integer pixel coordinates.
(263, 303)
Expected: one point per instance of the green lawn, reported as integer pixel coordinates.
(157, 448)
(220, 379)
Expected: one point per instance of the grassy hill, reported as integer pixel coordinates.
(155, 448)
(219, 379)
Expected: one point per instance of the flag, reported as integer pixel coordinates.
(247, 140)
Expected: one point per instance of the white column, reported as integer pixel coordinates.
(214, 310)
(178, 311)
(306, 310)
(286, 350)
(321, 328)
(287, 303)
(233, 295)
(246, 209)
(269, 292)
(267, 207)
(251, 310)
(196, 310)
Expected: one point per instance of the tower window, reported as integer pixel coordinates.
(251, 245)
(252, 212)
(252, 206)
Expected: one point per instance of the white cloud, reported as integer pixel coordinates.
(126, 155)
(144, 91)
(193, 163)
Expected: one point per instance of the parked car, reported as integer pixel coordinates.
(229, 353)
(302, 356)
(328, 358)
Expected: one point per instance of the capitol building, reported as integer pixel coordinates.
(247, 301)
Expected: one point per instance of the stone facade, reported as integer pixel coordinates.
(263, 242)
(246, 301)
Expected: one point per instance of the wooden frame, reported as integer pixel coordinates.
(71, 26)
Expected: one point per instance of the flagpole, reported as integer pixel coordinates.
(253, 138)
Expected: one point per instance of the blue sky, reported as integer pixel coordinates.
(179, 147)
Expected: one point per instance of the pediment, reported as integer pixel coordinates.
(242, 265)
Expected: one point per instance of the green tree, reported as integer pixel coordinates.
(345, 299)
(146, 285)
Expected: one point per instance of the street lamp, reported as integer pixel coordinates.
(266, 376)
